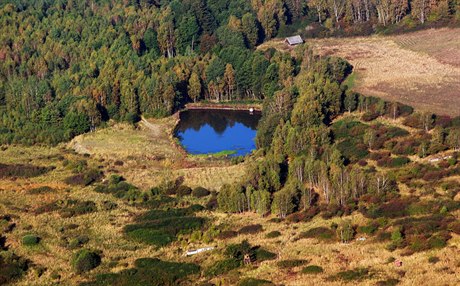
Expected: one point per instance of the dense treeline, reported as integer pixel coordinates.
(383, 12)
(68, 66)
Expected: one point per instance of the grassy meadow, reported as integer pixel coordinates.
(104, 193)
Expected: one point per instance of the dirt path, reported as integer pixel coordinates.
(153, 128)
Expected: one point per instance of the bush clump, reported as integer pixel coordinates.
(226, 234)
(254, 282)
(321, 233)
(273, 234)
(30, 240)
(284, 264)
(433, 259)
(12, 267)
(75, 208)
(388, 282)
(22, 171)
(85, 260)
(369, 229)
(250, 229)
(183, 191)
(78, 241)
(262, 254)
(41, 190)
(161, 227)
(312, 269)
(148, 271)
(222, 267)
(85, 178)
(200, 192)
(357, 274)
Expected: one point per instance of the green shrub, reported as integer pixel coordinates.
(30, 240)
(254, 282)
(273, 234)
(239, 250)
(132, 118)
(151, 236)
(108, 205)
(353, 150)
(148, 271)
(160, 227)
(78, 241)
(179, 270)
(312, 269)
(222, 267)
(182, 191)
(321, 233)
(399, 162)
(75, 208)
(250, 229)
(85, 260)
(291, 263)
(262, 254)
(345, 231)
(357, 274)
(41, 190)
(12, 267)
(369, 229)
(438, 241)
(22, 171)
(388, 282)
(200, 192)
(433, 259)
(226, 234)
(84, 179)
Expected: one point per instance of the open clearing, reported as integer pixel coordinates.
(148, 155)
(421, 69)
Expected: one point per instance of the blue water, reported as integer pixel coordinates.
(214, 131)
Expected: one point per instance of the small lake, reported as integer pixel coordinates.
(214, 131)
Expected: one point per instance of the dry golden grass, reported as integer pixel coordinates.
(105, 228)
(150, 155)
(421, 69)
(105, 231)
(335, 257)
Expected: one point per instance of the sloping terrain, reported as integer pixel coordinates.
(421, 69)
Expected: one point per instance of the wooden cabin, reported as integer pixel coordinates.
(294, 40)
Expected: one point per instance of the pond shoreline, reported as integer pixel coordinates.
(245, 110)
(223, 106)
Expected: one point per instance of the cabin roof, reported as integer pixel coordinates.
(294, 40)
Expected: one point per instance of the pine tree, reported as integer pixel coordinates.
(229, 79)
(250, 30)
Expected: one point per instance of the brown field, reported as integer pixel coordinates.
(421, 69)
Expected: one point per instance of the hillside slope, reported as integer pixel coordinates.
(421, 69)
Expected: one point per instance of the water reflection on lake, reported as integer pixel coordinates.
(214, 131)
